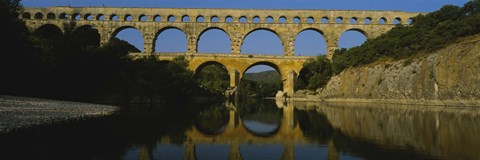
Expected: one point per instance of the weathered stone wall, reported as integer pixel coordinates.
(449, 76)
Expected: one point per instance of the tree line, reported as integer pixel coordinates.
(71, 65)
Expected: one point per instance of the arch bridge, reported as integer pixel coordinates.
(236, 23)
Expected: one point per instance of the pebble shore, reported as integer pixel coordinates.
(23, 112)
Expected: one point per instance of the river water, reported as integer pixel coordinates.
(257, 130)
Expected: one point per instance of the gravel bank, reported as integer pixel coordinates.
(21, 112)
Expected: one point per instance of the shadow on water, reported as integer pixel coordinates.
(256, 130)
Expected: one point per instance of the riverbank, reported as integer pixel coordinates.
(24, 112)
(449, 76)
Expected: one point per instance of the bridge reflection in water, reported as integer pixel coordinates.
(396, 132)
(236, 133)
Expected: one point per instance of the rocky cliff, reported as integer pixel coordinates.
(449, 76)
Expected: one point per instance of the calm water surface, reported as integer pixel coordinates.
(257, 130)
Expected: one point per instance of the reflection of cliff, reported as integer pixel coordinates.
(446, 132)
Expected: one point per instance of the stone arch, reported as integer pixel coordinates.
(54, 27)
(38, 15)
(229, 19)
(282, 19)
(51, 15)
(95, 38)
(207, 63)
(185, 18)
(100, 17)
(353, 20)
(397, 20)
(354, 39)
(310, 20)
(296, 19)
(127, 17)
(269, 19)
(266, 29)
(119, 29)
(171, 18)
(113, 17)
(88, 17)
(76, 16)
(267, 63)
(214, 19)
(63, 16)
(157, 18)
(213, 28)
(159, 32)
(243, 19)
(382, 19)
(311, 29)
(200, 18)
(367, 20)
(358, 30)
(142, 18)
(256, 19)
(26, 15)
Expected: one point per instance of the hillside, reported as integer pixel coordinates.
(448, 76)
(263, 77)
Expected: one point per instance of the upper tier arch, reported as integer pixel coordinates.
(147, 22)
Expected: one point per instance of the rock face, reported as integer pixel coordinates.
(449, 76)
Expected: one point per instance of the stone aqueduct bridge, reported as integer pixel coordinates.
(236, 23)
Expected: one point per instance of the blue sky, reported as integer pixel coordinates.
(308, 43)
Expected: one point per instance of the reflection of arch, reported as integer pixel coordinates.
(265, 29)
(212, 121)
(215, 28)
(262, 115)
(203, 65)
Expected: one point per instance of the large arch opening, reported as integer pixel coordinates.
(171, 39)
(48, 31)
(89, 35)
(48, 36)
(352, 38)
(262, 41)
(214, 40)
(261, 79)
(213, 76)
(131, 35)
(310, 42)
